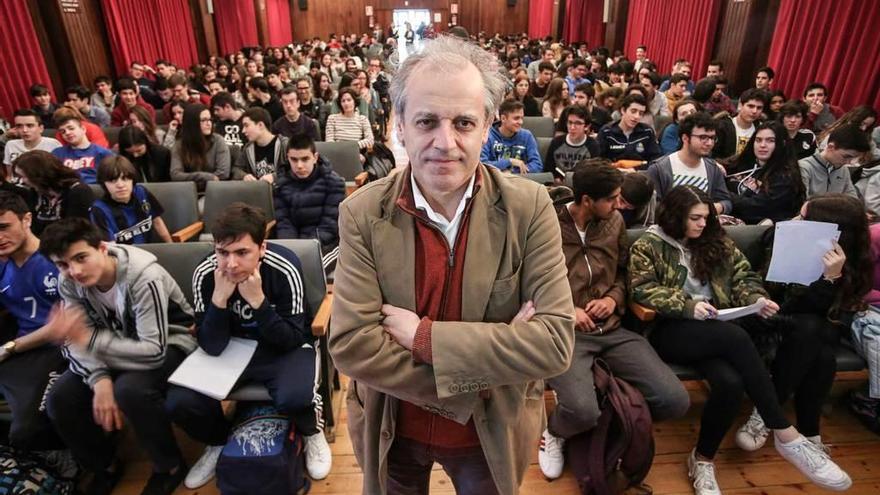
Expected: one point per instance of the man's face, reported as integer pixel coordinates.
(548, 55)
(82, 263)
(239, 258)
(73, 132)
(595, 67)
(577, 128)
(136, 71)
(250, 129)
(615, 77)
(512, 121)
(632, 115)
(580, 71)
(215, 87)
(180, 93)
(751, 110)
(678, 88)
(713, 71)
(762, 80)
(128, 97)
(546, 76)
(13, 232)
(43, 100)
(700, 142)
(302, 162)
(603, 208)
(29, 128)
(303, 90)
(375, 67)
(581, 99)
(839, 157)
(815, 95)
(74, 102)
(640, 53)
(102, 87)
(792, 122)
(646, 83)
(274, 80)
(686, 70)
(442, 131)
(290, 102)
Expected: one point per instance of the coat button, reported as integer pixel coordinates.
(475, 387)
(484, 386)
(386, 434)
(454, 388)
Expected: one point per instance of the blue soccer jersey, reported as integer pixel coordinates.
(28, 292)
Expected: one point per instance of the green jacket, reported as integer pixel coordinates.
(657, 278)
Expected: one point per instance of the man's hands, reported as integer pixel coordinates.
(583, 322)
(833, 261)
(223, 289)
(600, 309)
(251, 289)
(68, 325)
(518, 166)
(105, 411)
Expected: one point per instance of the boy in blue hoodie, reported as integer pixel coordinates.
(510, 147)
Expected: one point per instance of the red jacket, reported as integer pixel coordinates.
(93, 133)
(119, 117)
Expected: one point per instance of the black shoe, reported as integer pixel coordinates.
(103, 482)
(867, 410)
(165, 483)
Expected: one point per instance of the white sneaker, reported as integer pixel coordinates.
(752, 435)
(551, 456)
(702, 473)
(815, 463)
(203, 470)
(318, 456)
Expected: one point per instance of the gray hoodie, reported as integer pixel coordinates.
(821, 177)
(145, 294)
(868, 187)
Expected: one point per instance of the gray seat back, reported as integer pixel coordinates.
(540, 177)
(746, 237)
(180, 260)
(309, 253)
(540, 126)
(220, 194)
(112, 134)
(543, 146)
(179, 200)
(344, 157)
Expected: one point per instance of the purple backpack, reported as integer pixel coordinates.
(617, 453)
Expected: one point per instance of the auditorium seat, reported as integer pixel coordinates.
(540, 177)
(539, 126)
(344, 157)
(543, 146)
(220, 194)
(180, 202)
(112, 134)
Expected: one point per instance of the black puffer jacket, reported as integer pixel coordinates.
(309, 208)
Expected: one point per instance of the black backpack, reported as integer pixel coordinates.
(617, 454)
(23, 473)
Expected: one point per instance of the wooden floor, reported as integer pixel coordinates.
(764, 472)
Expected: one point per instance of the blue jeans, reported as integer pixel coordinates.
(410, 462)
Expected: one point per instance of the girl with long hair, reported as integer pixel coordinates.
(521, 92)
(766, 177)
(862, 116)
(128, 213)
(686, 268)
(323, 90)
(139, 117)
(199, 155)
(556, 99)
(152, 161)
(59, 192)
(792, 114)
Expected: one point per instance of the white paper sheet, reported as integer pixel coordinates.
(798, 247)
(215, 376)
(734, 313)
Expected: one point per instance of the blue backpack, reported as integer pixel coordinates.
(264, 454)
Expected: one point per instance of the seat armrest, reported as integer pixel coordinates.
(188, 232)
(643, 313)
(322, 317)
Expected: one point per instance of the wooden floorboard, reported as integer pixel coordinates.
(763, 472)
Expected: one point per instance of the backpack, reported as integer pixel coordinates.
(264, 454)
(618, 452)
(23, 473)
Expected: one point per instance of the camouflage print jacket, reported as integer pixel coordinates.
(657, 278)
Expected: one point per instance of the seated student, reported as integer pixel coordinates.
(199, 155)
(670, 141)
(825, 171)
(802, 141)
(262, 97)
(637, 202)
(820, 114)
(555, 99)
(29, 360)
(228, 119)
(78, 98)
(128, 213)
(60, 195)
(520, 92)
(103, 97)
(686, 269)
(125, 323)
(657, 104)
(307, 198)
(509, 146)
(264, 151)
(735, 131)
(294, 122)
(677, 90)
(594, 244)
(30, 132)
(776, 98)
(814, 318)
(129, 96)
(94, 133)
(79, 153)
(254, 290)
(767, 179)
(544, 74)
(576, 145)
(348, 124)
(764, 78)
(691, 165)
(152, 161)
(628, 138)
(178, 86)
(309, 104)
(43, 105)
(583, 97)
(575, 74)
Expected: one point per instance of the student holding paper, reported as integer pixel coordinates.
(254, 290)
(684, 268)
(815, 317)
(125, 322)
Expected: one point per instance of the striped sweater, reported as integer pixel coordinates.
(355, 128)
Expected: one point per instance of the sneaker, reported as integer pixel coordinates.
(318, 456)
(103, 482)
(752, 435)
(551, 456)
(866, 410)
(203, 470)
(814, 463)
(61, 461)
(164, 483)
(702, 473)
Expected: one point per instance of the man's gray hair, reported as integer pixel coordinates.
(449, 54)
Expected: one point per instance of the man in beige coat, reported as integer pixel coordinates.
(451, 298)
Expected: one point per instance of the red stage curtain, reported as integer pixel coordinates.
(583, 22)
(673, 29)
(236, 24)
(278, 14)
(834, 43)
(147, 30)
(23, 62)
(540, 18)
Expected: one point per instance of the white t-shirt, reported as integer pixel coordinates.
(742, 135)
(108, 301)
(682, 175)
(17, 147)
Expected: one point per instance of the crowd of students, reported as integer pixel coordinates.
(693, 159)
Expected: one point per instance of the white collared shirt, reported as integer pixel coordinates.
(449, 228)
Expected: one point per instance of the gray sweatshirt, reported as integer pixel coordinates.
(218, 159)
(821, 177)
(145, 293)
